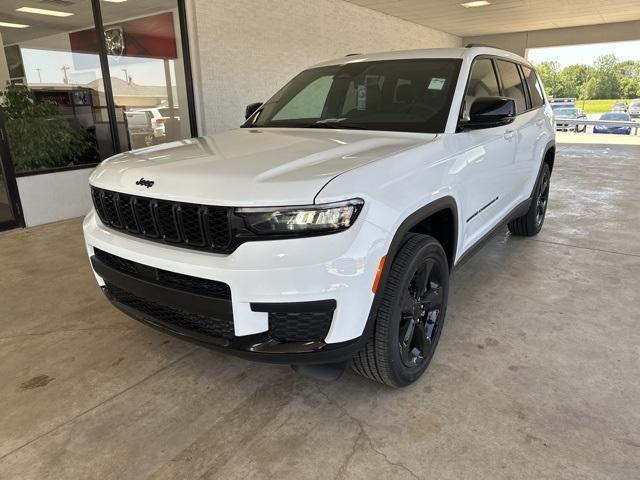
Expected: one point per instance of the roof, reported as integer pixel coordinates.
(463, 53)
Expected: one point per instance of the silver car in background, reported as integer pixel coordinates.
(570, 114)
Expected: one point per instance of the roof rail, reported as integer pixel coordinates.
(471, 45)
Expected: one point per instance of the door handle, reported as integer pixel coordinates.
(509, 134)
(539, 122)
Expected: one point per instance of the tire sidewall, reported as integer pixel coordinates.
(402, 374)
(533, 211)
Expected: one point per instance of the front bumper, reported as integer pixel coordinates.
(337, 268)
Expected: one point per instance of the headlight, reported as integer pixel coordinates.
(330, 217)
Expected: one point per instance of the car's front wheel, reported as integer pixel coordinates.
(410, 315)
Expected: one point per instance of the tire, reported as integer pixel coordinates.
(388, 357)
(531, 223)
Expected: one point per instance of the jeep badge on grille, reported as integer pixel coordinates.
(145, 183)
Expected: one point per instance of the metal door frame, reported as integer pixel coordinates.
(6, 164)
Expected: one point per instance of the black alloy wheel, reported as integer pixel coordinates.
(410, 314)
(543, 198)
(531, 222)
(421, 310)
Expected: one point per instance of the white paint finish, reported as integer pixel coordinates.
(397, 176)
(337, 267)
(245, 50)
(249, 167)
(505, 16)
(54, 196)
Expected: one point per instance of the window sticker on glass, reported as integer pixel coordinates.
(361, 98)
(436, 83)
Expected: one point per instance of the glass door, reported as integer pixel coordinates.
(10, 214)
(147, 68)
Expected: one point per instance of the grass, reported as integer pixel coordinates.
(598, 106)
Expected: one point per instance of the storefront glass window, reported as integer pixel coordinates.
(147, 70)
(54, 99)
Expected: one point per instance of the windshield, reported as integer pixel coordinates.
(401, 95)
(620, 117)
(567, 112)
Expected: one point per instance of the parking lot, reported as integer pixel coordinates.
(536, 375)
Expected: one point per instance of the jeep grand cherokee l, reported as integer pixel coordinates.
(323, 232)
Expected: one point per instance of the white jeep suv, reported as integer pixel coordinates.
(323, 232)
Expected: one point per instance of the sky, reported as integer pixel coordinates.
(84, 68)
(585, 54)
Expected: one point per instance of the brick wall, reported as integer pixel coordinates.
(244, 50)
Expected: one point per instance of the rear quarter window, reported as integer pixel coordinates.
(535, 88)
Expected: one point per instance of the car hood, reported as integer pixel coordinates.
(247, 167)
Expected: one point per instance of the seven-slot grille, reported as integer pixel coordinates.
(181, 224)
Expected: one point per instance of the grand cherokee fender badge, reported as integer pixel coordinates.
(145, 183)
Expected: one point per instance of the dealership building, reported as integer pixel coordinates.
(387, 189)
(126, 74)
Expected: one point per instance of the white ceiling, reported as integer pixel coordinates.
(506, 16)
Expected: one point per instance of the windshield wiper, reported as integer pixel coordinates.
(333, 125)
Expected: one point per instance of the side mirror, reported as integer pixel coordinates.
(251, 109)
(489, 112)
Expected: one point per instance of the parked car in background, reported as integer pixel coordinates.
(619, 107)
(634, 108)
(613, 117)
(159, 116)
(140, 128)
(572, 114)
(557, 103)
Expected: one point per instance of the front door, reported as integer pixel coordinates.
(488, 161)
(10, 211)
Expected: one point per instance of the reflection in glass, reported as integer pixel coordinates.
(56, 111)
(52, 108)
(147, 71)
(6, 215)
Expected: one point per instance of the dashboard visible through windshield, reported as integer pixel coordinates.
(399, 95)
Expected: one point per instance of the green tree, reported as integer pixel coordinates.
(629, 87)
(589, 90)
(572, 78)
(550, 75)
(608, 76)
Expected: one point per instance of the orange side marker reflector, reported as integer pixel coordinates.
(376, 280)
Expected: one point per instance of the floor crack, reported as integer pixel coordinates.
(362, 434)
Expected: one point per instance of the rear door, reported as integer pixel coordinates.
(525, 127)
(533, 135)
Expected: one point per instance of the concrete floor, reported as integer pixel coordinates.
(537, 374)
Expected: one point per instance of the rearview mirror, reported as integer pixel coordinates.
(489, 112)
(251, 109)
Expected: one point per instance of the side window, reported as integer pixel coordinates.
(512, 84)
(482, 83)
(537, 98)
(309, 102)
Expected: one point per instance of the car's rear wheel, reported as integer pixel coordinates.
(531, 223)
(410, 317)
